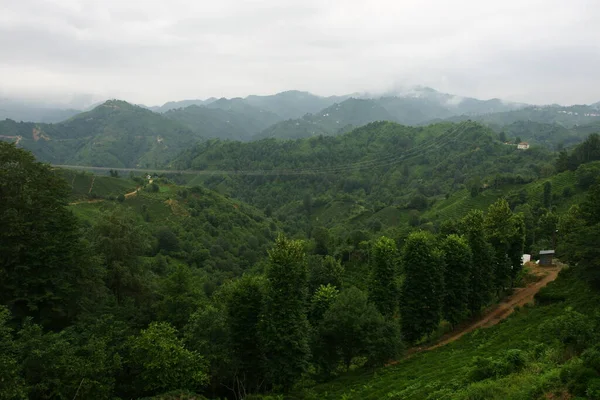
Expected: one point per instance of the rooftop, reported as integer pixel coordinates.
(546, 252)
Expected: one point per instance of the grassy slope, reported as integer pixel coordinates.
(441, 373)
(101, 186)
(461, 202)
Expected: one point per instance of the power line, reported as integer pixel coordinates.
(421, 149)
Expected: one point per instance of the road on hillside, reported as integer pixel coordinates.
(520, 297)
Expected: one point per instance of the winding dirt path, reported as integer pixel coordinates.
(130, 194)
(127, 195)
(520, 297)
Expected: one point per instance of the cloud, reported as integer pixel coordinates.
(154, 51)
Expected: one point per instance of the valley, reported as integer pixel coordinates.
(338, 254)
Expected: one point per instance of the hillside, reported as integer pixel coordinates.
(293, 103)
(567, 116)
(381, 173)
(212, 231)
(172, 105)
(114, 134)
(411, 108)
(338, 118)
(515, 359)
(228, 120)
(127, 277)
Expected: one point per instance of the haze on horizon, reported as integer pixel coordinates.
(80, 51)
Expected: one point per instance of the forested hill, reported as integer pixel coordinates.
(115, 134)
(567, 116)
(352, 177)
(416, 108)
(224, 119)
(338, 118)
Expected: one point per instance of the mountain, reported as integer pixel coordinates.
(549, 135)
(289, 104)
(428, 102)
(171, 105)
(33, 112)
(567, 116)
(224, 119)
(293, 103)
(338, 118)
(414, 107)
(115, 134)
(356, 178)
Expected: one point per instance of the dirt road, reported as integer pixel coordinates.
(520, 297)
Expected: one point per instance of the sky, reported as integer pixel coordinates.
(154, 51)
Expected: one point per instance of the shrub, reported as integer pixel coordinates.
(593, 389)
(576, 377)
(572, 329)
(510, 361)
(591, 358)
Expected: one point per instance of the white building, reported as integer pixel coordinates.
(523, 146)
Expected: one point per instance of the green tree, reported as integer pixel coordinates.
(57, 365)
(324, 271)
(516, 246)
(179, 295)
(244, 300)
(548, 194)
(481, 279)
(167, 239)
(120, 240)
(160, 362)
(583, 246)
(356, 328)
(326, 356)
(458, 260)
(307, 203)
(207, 333)
(320, 302)
(570, 224)
(499, 229)
(422, 289)
(322, 239)
(13, 385)
(285, 327)
(46, 270)
(382, 288)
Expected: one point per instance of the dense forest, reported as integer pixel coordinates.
(341, 255)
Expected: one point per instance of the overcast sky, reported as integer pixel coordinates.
(153, 51)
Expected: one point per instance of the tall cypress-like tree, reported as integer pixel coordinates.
(382, 290)
(516, 246)
(244, 300)
(499, 229)
(284, 325)
(422, 289)
(482, 273)
(458, 260)
(548, 194)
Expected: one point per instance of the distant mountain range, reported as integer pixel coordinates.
(119, 134)
(31, 111)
